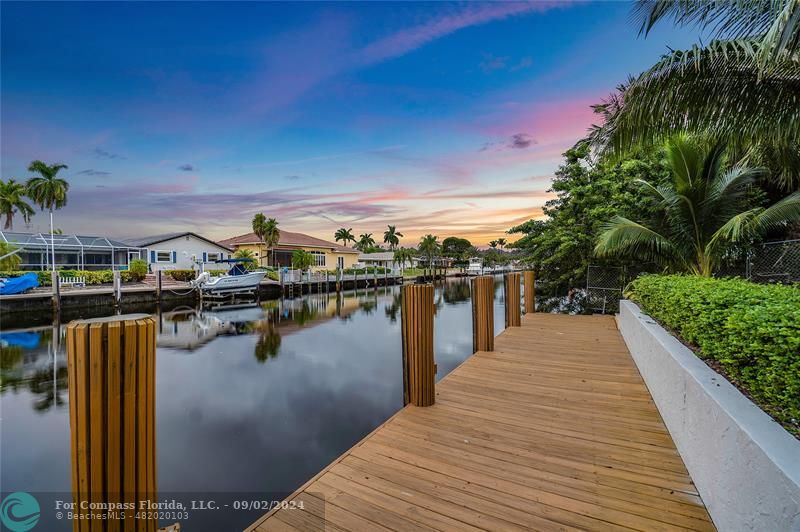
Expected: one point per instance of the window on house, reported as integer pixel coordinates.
(163, 256)
(319, 258)
(212, 257)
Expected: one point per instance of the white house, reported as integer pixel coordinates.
(384, 259)
(181, 251)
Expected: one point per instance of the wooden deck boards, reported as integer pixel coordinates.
(554, 430)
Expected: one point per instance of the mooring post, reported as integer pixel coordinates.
(530, 292)
(117, 287)
(355, 279)
(483, 313)
(158, 285)
(56, 292)
(375, 276)
(419, 369)
(512, 300)
(111, 376)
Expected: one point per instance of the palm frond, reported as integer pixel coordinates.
(625, 238)
(774, 24)
(716, 90)
(780, 214)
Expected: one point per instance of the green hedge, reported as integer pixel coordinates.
(92, 276)
(751, 330)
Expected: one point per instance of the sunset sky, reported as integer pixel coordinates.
(440, 118)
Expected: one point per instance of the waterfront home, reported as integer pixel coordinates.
(384, 259)
(180, 251)
(72, 252)
(327, 255)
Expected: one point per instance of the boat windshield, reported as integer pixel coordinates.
(237, 269)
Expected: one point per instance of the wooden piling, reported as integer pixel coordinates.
(111, 373)
(530, 291)
(512, 300)
(419, 370)
(56, 292)
(483, 313)
(117, 287)
(158, 285)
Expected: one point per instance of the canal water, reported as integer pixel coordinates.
(250, 402)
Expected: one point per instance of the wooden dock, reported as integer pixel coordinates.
(553, 430)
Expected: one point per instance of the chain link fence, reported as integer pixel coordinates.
(772, 262)
(775, 262)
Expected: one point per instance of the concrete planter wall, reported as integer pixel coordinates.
(746, 466)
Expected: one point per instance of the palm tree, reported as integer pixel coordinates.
(48, 191)
(501, 242)
(247, 254)
(365, 242)
(272, 235)
(429, 248)
(12, 202)
(302, 259)
(403, 256)
(344, 235)
(392, 237)
(704, 210)
(259, 227)
(744, 86)
(493, 244)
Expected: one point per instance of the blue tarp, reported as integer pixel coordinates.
(26, 340)
(17, 285)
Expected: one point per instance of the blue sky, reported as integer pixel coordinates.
(436, 117)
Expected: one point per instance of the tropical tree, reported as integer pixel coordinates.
(49, 192)
(272, 235)
(365, 242)
(493, 244)
(302, 259)
(586, 194)
(246, 254)
(429, 248)
(705, 210)
(9, 260)
(403, 256)
(744, 86)
(344, 235)
(392, 237)
(501, 242)
(259, 228)
(12, 201)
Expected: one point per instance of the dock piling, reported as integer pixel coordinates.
(419, 369)
(530, 291)
(111, 375)
(158, 285)
(56, 292)
(483, 313)
(512, 300)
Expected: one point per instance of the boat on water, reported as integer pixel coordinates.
(475, 266)
(238, 278)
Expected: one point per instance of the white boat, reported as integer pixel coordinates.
(238, 279)
(475, 266)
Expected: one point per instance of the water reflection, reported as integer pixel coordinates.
(251, 400)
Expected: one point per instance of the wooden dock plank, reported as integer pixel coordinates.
(553, 430)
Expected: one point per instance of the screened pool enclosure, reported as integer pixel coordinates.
(73, 252)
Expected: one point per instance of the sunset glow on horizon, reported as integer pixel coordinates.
(437, 118)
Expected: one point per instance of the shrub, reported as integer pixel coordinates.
(181, 275)
(751, 330)
(137, 269)
(93, 277)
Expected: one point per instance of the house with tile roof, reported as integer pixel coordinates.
(327, 255)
